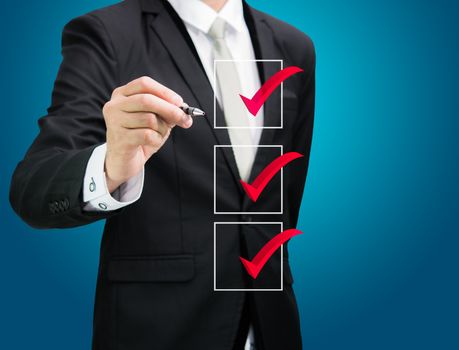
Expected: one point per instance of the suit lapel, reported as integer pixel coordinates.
(272, 106)
(194, 76)
(265, 49)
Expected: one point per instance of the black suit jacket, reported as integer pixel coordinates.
(155, 285)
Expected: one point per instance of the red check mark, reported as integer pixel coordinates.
(258, 185)
(254, 104)
(254, 267)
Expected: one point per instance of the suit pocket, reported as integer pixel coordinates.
(164, 268)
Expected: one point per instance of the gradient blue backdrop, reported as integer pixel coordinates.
(378, 265)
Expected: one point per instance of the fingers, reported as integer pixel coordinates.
(170, 113)
(147, 85)
(145, 137)
(145, 120)
(148, 96)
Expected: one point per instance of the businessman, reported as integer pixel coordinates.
(116, 145)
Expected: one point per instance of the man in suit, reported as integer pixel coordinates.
(115, 145)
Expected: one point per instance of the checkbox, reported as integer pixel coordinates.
(229, 196)
(248, 89)
(233, 240)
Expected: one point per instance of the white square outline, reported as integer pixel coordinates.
(247, 289)
(249, 127)
(247, 212)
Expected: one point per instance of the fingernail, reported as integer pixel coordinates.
(188, 122)
(177, 99)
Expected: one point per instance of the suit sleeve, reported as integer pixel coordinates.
(46, 187)
(303, 130)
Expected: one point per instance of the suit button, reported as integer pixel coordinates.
(63, 205)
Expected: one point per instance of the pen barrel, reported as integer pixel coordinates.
(188, 110)
(192, 111)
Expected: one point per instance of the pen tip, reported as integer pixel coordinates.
(199, 113)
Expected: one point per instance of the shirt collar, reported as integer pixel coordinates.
(201, 16)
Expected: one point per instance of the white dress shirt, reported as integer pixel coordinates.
(198, 18)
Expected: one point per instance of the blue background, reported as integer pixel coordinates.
(377, 267)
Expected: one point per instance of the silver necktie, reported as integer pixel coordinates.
(232, 105)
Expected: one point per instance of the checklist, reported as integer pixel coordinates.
(257, 264)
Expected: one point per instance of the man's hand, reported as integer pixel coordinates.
(139, 118)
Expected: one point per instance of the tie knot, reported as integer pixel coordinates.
(217, 30)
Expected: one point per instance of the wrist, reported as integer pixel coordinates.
(112, 185)
(113, 182)
(118, 169)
